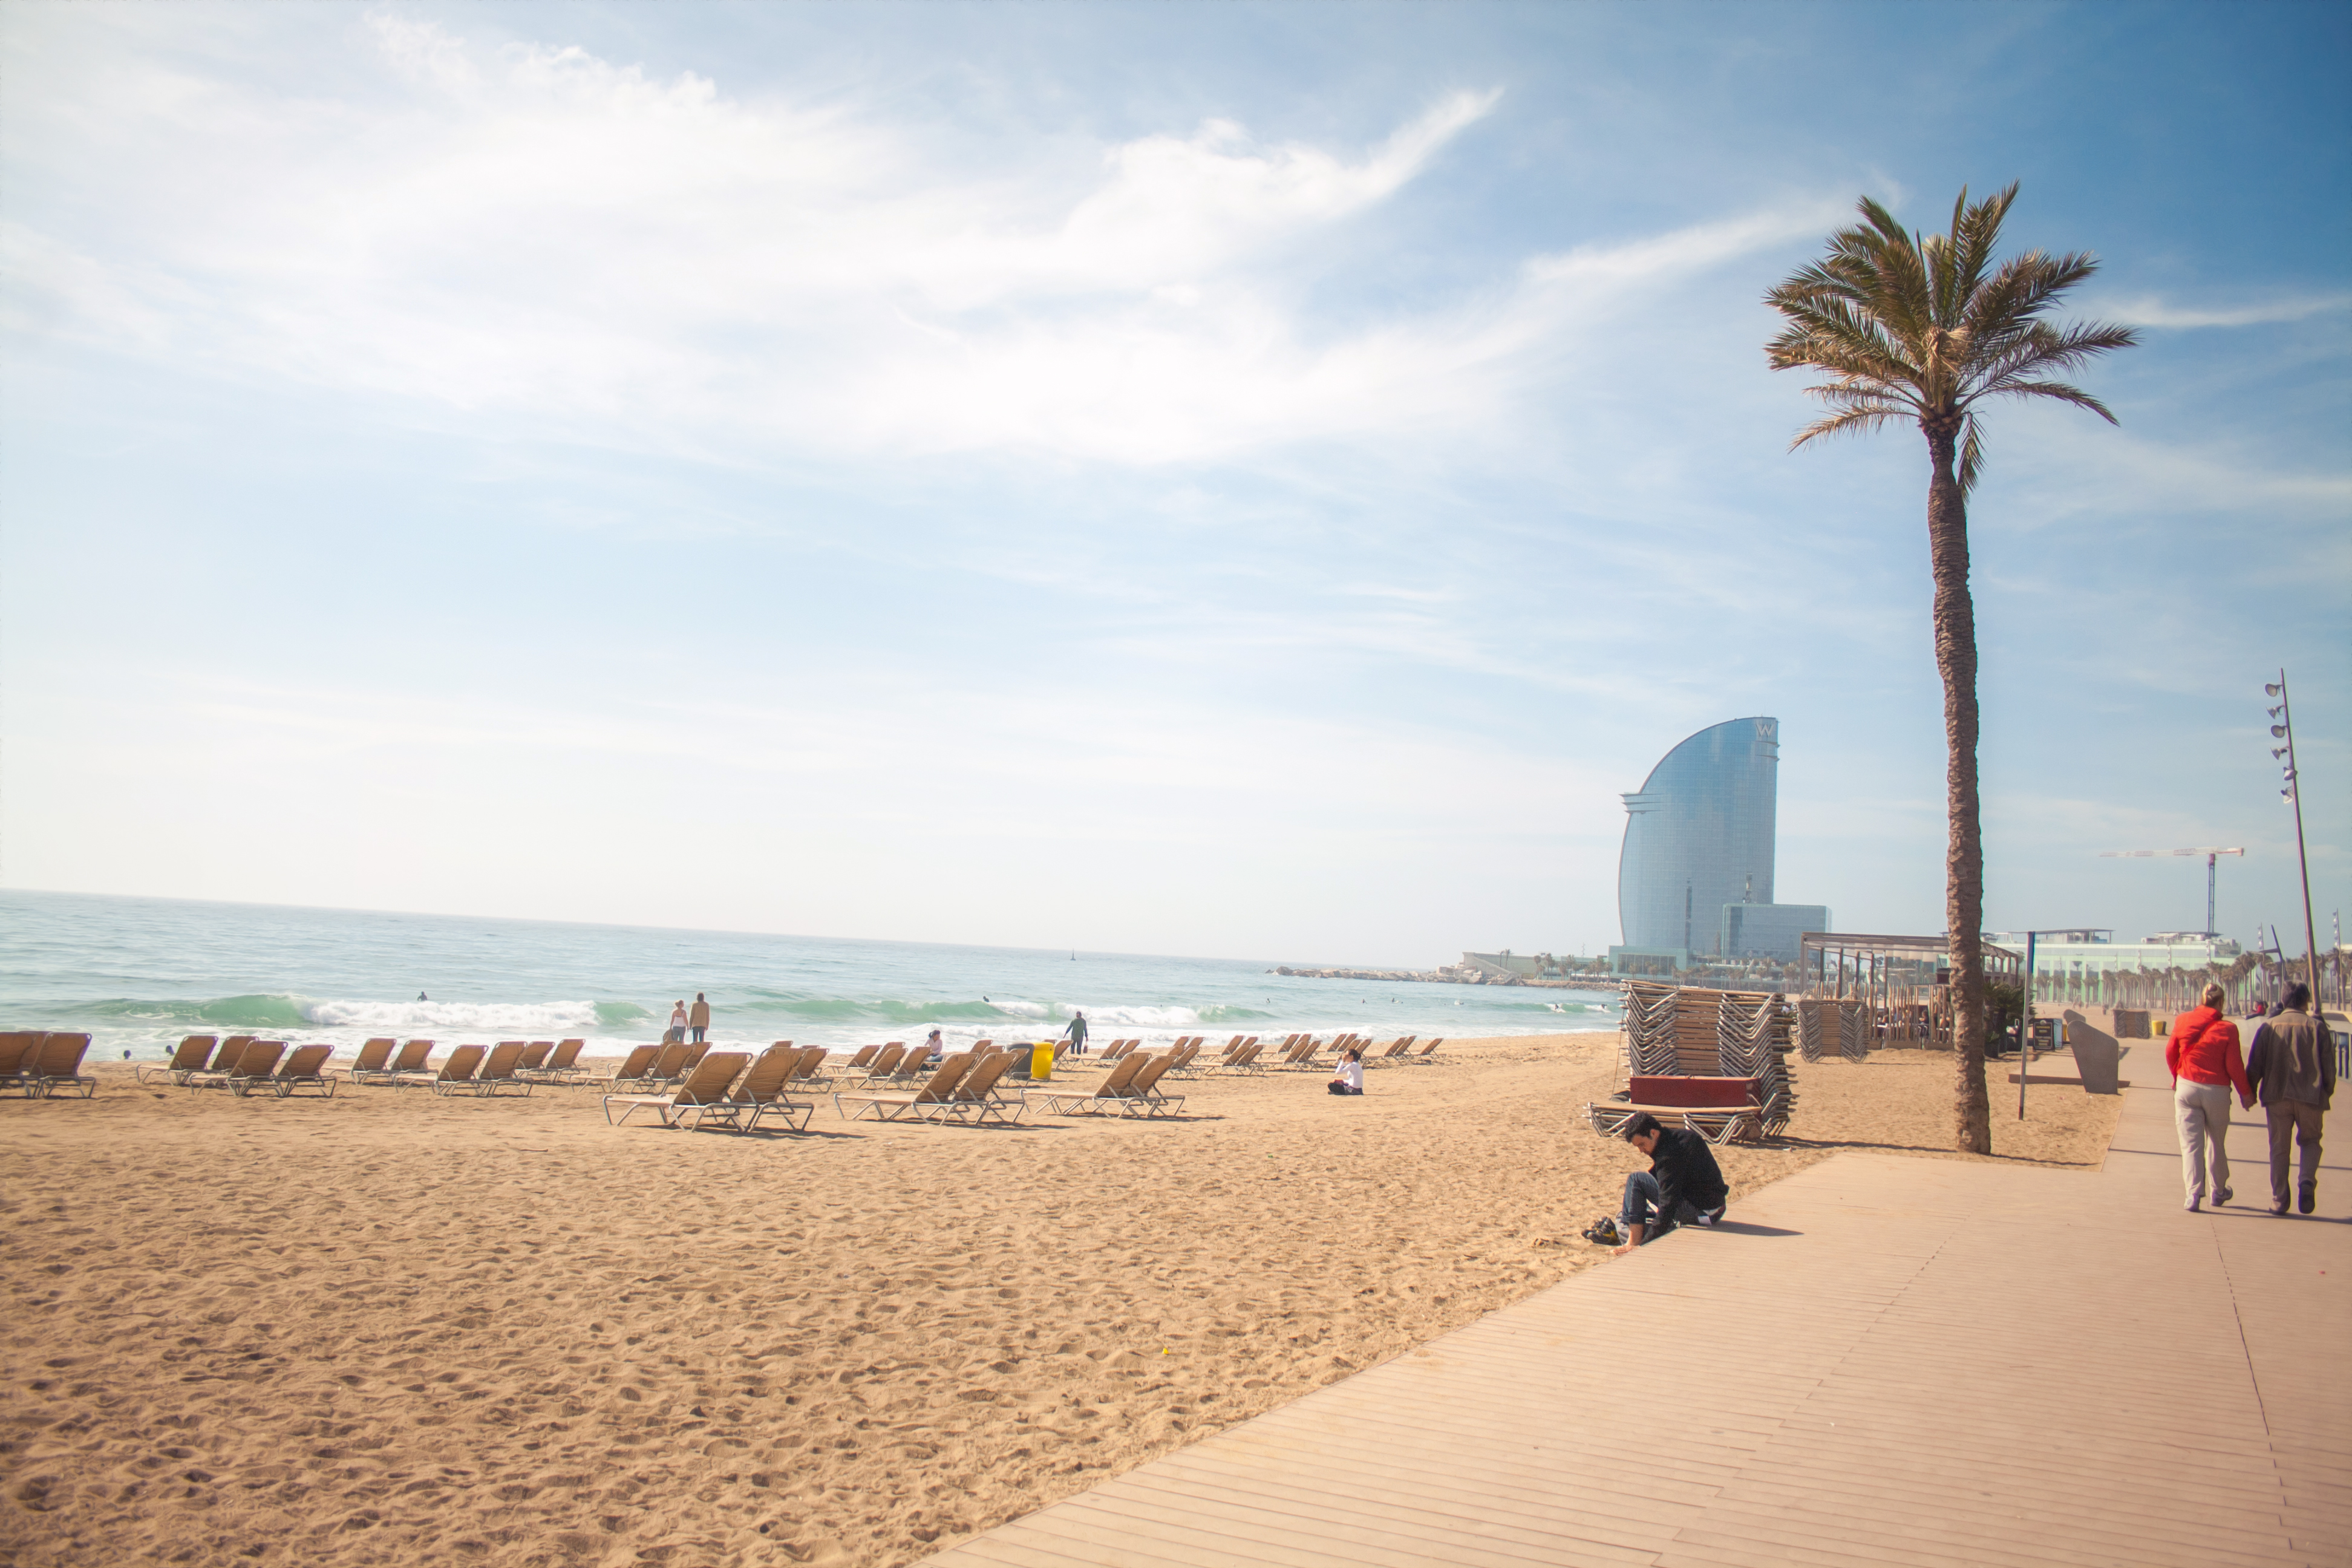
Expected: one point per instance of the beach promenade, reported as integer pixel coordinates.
(1878, 1360)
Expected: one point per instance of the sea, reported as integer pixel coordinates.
(136, 974)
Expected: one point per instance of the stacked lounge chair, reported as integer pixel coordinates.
(1826, 1025)
(1713, 1061)
(39, 1064)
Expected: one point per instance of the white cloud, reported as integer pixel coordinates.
(2150, 310)
(543, 236)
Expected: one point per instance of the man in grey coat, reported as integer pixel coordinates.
(2293, 1070)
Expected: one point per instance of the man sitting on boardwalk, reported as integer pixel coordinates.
(2292, 1067)
(1683, 1183)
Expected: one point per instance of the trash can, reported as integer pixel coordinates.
(1041, 1061)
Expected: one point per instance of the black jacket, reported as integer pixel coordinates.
(1687, 1173)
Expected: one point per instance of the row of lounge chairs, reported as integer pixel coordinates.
(712, 1094)
(967, 1086)
(38, 1066)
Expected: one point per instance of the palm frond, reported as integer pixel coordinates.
(2056, 390)
(1971, 451)
(1852, 421)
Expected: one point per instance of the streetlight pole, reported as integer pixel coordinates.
(2283, 728)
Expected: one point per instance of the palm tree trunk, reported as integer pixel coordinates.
(1956, 661)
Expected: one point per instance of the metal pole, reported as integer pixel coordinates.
(2025, 1029)
(2295, 793)
(2210, 862)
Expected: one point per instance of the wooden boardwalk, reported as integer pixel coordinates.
(1879, 1360)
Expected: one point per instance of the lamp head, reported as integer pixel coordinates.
(2277, 730)
(2270, 689)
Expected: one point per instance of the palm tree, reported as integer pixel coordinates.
(1924, 328)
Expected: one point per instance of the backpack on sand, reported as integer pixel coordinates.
(1603, 1232)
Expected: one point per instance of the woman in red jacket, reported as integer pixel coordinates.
(2202, 1052)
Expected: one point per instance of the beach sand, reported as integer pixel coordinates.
(395, 1329)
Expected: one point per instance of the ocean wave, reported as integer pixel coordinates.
(536, 1019)
(256, 1012)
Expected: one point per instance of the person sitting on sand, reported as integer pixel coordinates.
(677, 1023)
(1682, 1184)
(934, 1047)
(1348, 1078)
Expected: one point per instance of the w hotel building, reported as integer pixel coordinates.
(1694, 880)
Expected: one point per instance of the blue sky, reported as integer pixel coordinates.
(1251, 480)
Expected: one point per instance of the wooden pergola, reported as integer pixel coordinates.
(1903, 980)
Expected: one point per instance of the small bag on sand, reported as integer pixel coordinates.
(1603, 1232)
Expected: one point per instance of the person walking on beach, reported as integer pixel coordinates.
(1683, 1183)
(698, 1020)
(1077, 1032)
(2293, 1063)
(1348, 1078)
(2202, 1054)
(677, 1023)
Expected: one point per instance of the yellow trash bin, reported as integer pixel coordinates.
(1041, 1061)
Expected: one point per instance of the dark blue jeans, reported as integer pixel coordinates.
(1641, 1207)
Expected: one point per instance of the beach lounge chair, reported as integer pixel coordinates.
(560, 1066)
(637, 1072)
(857, 1063)
(765, 1091)
(1105, 1096)
(672, 1065)
(57, 1066)
(1243, 1061)
(254, 1064)
(456, 1074)
(414, 1065)
(1425, 1052)
(497, 1075)
(978, 1099)
(303, 1069)
(880, 1066)
(534, 1057)
(695, 1052)
(923, 1104)
(704, 1091)
(17, 1052)
(1144, 1096)
(1300, 1057)
(193, 1053)
(374, 1064)
(1180, 1062)
(809, 1072)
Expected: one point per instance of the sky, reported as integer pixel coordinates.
(1250, 480)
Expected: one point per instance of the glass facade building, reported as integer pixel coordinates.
(1698, 836)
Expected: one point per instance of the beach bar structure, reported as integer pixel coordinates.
(1904, 982)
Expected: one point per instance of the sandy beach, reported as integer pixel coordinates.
(392, 1328)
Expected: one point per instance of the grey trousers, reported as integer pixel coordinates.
(2295, 1122)
(2204, 1112)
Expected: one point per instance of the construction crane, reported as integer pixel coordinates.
(2211, 858)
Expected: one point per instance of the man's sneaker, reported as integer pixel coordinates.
(2308, 1198)
(2223, 1196)
(1707, 1216)
(2191, 1206)
(2279, 1209)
